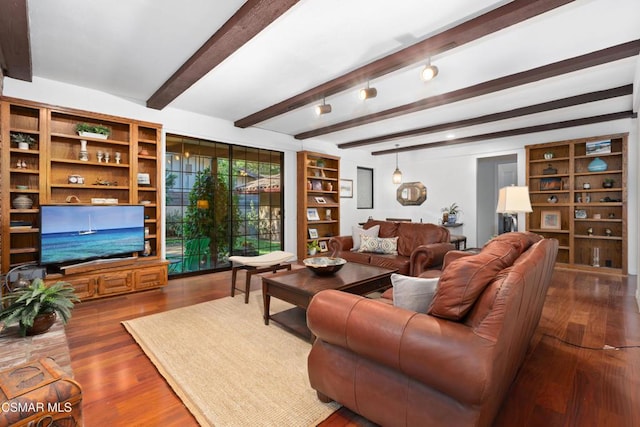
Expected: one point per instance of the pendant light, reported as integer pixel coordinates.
(397, 175)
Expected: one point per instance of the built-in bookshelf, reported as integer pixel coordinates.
(318, 200)
(578, 192)
(120, 168)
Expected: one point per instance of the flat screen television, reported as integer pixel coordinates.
(76, 233)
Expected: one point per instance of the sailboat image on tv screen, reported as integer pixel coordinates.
(90, 230)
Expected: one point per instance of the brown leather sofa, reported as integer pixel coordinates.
(421, 246)
(451, 366)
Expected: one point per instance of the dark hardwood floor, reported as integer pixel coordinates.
(566, 380)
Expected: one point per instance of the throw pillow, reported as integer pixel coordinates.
(378, 245)
(357, 231)
(413, 293)
(465, 278)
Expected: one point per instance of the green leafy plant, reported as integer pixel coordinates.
(313, 245)
(451, 210)
(24, 138)
(100, 129)
(23, 305)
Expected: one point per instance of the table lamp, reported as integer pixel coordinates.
(511, 201)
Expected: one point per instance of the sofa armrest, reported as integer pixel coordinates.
(431, 350)
(428, 256)
(340, 243)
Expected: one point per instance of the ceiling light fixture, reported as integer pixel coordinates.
(429, 72)
(324, 108)
(397, 175)
(368, 92)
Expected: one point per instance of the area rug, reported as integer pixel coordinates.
(228, 367)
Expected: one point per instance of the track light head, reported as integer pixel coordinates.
(323, 109)
(368, 92)
(429, 72)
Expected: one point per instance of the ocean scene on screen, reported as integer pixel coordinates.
(71, 233)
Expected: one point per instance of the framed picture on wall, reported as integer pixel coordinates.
(346, 188)
(550, 220)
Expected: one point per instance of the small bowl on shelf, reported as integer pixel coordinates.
(324, 266)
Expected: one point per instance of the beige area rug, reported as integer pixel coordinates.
(228, 367)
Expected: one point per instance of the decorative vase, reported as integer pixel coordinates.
(445, 217)
(586, 186)
(22, 202)
(597, 165)
(84, 154)
(147, 248)
(41, 324)
(548, 155)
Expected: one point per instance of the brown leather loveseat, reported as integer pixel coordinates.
(420, 246)
(450, 366)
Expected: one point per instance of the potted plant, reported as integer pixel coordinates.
(24, 141)
(36, 306)
(313, 247)
(93, 131)
(608, 182)
(450, 213)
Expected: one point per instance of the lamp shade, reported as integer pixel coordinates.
(513, 200)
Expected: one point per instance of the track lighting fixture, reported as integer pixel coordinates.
(368, 92)
(397, 175)
(323, 108)
(429, 72)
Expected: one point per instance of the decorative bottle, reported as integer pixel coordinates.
(84, 154)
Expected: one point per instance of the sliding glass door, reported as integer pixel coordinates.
(221, 200)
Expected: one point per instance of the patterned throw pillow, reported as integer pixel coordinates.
(357, 231)
(378, 245)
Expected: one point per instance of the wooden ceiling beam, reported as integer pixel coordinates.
(576, 63)
(514, 132)
(503, 115)
(502, 17)
(15, 46)
(253, 17)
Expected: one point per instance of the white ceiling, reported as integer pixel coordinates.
(130, 48)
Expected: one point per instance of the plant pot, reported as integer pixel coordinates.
(41, 324)
(23, 145)
(607, 184)
(93, 135)
(452, 218)
(312, 252)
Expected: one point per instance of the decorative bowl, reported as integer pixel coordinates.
(324, 266)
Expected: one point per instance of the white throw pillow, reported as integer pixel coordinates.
(413, 293)
(357, 231)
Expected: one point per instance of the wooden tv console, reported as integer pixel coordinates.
(99, 280)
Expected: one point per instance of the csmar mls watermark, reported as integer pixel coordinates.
(30, 406)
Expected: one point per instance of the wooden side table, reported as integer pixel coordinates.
(458, 241)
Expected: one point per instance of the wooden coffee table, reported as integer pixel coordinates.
(299, 286)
